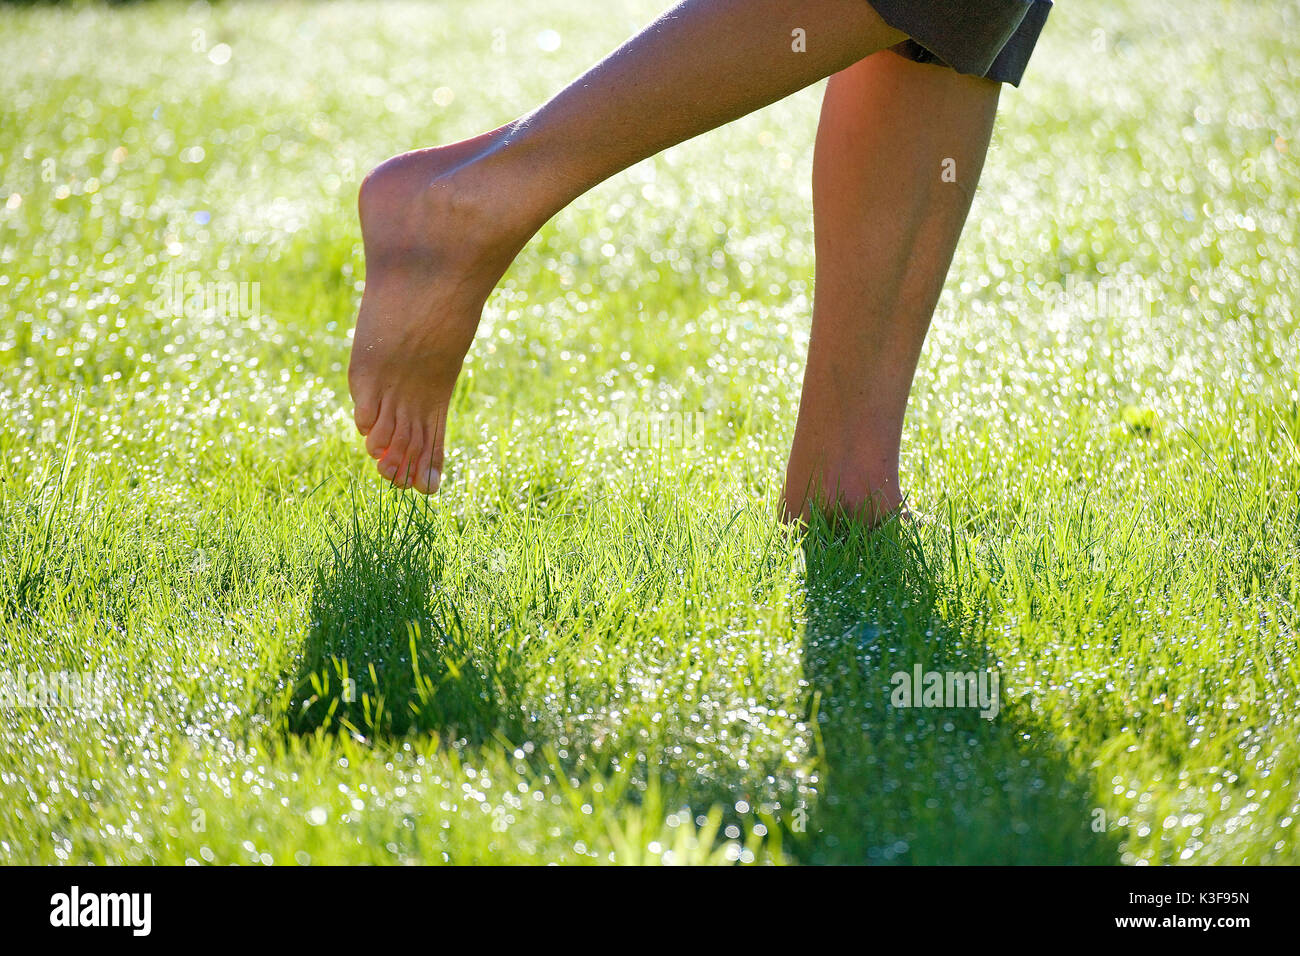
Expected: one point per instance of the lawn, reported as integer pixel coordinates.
(597, 644)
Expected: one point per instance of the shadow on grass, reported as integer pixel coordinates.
(928, 785)
(385, 656)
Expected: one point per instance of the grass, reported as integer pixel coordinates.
(598, 645)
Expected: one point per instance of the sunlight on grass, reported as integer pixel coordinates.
(597, 644)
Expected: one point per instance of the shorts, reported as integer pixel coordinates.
(989, 38)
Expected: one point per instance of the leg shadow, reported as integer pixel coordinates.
(387, 653)
(922, 784)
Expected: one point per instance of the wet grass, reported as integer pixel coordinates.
(597, 644)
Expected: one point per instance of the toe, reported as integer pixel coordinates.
(365, 413)
(425, 477)
(409, 467)
(394, 459)
(429, 469)
(381, 433)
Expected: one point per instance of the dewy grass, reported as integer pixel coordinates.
(598, 644)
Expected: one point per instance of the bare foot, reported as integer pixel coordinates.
(850, 491)
(844, 457)
(871, 510)
(438, 237)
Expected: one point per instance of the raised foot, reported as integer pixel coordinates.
(435, 248)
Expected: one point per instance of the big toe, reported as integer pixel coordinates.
(427, 477)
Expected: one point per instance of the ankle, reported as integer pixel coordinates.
(495, 194)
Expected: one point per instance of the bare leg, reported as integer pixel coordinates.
(441, 225)
(886, 225)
